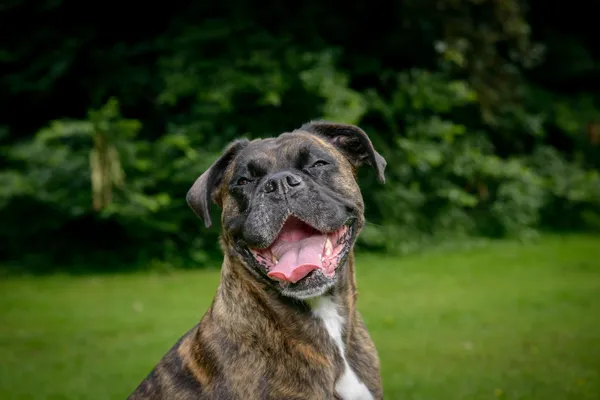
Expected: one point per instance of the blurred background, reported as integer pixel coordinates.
(487, 111)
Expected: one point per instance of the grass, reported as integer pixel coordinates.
(505, 321)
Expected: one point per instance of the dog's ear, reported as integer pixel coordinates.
(204, 189)
(352, 141)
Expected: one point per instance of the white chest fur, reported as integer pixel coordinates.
(348, 387)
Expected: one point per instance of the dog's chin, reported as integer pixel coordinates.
(315, 284)
(302, 262)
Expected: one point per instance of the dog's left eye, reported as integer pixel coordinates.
(319, 163)
(242, 181)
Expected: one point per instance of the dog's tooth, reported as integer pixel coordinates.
(274, 259)
(328, 247)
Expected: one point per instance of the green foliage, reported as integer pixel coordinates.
(477, 143)
(572, 192)
(54, 166)
(252, 87)
(444, 179)
(150, 178)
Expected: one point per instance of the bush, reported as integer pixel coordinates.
(99, 196)
(444, 180)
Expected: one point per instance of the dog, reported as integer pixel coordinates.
(283, 323)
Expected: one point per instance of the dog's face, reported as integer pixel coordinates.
(291, 205)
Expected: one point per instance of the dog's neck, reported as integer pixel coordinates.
(241, 293)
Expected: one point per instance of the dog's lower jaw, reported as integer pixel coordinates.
(338, 283)
(310, 293)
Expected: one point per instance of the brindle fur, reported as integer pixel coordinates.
(254, 342)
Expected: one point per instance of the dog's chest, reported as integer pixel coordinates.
(348, 386)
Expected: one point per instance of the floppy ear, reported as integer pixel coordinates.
(203, 190)
(352, 141)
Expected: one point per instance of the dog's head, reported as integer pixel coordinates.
(291, 205)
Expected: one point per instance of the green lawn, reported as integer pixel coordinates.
(505, 321)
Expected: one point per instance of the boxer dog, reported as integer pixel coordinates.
(283, 323)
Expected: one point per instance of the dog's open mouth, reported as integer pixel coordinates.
(300, 249)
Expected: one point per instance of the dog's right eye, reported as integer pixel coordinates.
(319, 163)
(242, 182)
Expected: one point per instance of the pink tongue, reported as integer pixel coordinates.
(298, 251)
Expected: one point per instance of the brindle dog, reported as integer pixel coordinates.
(283, 323)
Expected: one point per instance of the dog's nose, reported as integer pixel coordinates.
(283, 181)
